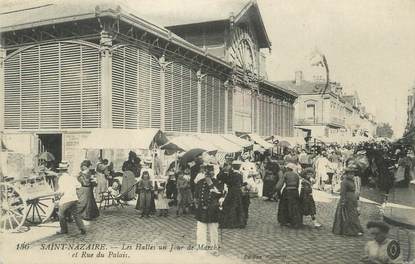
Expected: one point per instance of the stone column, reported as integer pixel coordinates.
(163, 66)
(106, 79)
(272, 116)
(226, 85)
(257, 112)
(199, 76)
(2, 58)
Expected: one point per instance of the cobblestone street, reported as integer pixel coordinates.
(262, 241)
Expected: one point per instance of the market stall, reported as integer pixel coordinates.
(114, 145)
(257, 139)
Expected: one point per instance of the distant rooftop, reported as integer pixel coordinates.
(286, 90)
(306, 87)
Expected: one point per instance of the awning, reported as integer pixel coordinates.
(210, 142)
(123, 139)
(220, 142)
(237, 140)
(325, 140)
(185, 143)
(259, 140)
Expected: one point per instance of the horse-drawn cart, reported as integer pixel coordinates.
(29, 200)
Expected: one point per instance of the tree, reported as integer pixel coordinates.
(384, 130)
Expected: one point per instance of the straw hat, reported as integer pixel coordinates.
(351, 168)
(63, 165)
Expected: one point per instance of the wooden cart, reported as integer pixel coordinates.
(30, 200)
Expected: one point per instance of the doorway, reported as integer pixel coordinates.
(51, 143)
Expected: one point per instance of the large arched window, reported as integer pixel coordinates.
(53, 86)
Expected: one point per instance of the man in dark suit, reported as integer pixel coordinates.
(208, 199)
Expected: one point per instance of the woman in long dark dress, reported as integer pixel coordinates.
(88, 208)
(289, 208)
(270, 179)
(233, 210)
(131, 169)
(346, 220)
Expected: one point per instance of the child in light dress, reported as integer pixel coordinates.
(161, 201)
(115, 188)
(184, 197)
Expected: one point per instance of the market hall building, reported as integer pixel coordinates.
(67, 69)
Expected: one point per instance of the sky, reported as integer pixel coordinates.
(369, 46)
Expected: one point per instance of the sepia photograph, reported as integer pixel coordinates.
(207, 131)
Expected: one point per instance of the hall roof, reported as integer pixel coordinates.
(276, 86)
(162, 13)
(172, 14)
(31, 14)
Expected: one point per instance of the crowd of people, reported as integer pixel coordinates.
(219, 193)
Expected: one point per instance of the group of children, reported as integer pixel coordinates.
(155, 197)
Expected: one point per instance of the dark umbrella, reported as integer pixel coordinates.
(46, 156)
(191, 155)
(284, 143)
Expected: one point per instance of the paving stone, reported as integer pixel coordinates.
(263, 238)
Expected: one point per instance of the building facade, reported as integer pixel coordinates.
(326, 112)
(410, 123)
(67, 69)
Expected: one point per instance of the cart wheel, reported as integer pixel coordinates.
(13, 208)
(39, 209)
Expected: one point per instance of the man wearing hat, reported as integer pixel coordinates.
(208, 192)
(68, 201)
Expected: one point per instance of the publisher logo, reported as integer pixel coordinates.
(394, 250)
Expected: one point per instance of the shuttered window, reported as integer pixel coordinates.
(148, 90)
(230, 109)
(177, 97)
(255, 113)
(49, 87)
(279, 117)
(169, 98)
(275, 117)
(242, 110)
(12, 93)
(53, 86)
(71, 90)
(91, 88)
(144, 83)
(30, 88)
(180, 98)
(155, 102)
(192, 102)
(124, 87)
(213, 105)
(284, 119)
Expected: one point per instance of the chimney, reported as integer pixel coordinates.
(339, 89)
(298, 78)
